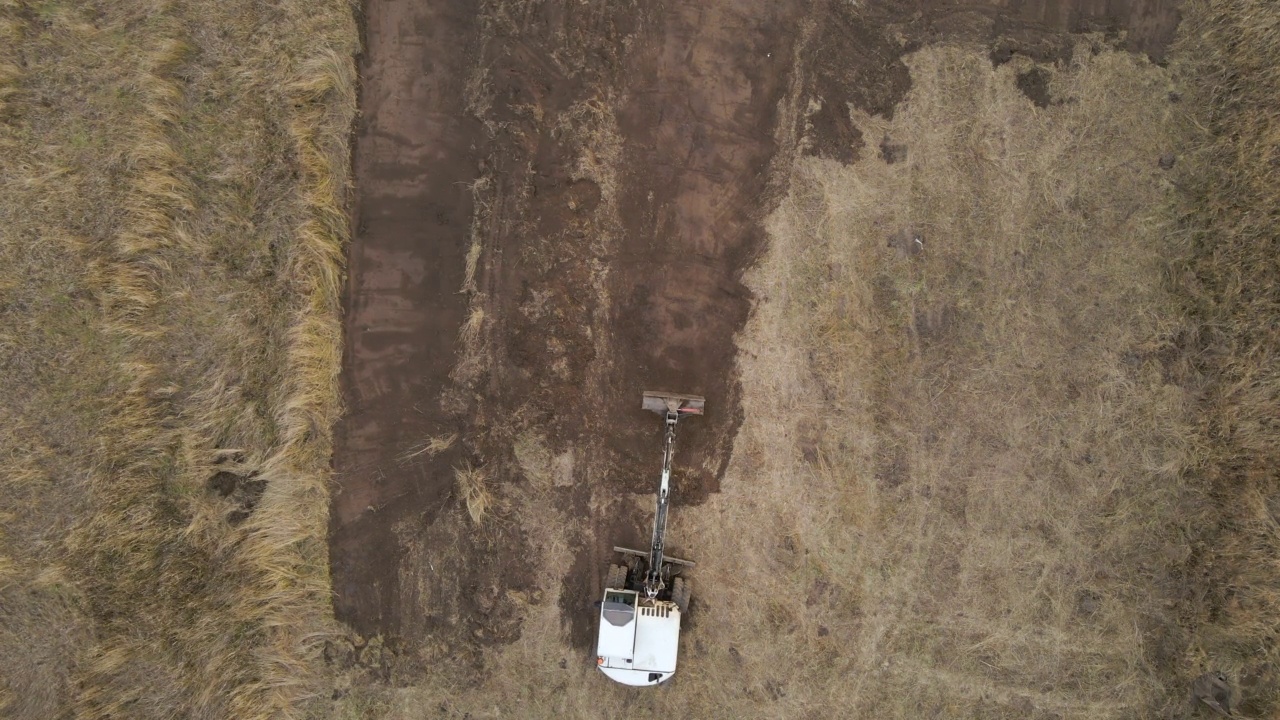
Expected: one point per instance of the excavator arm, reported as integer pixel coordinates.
(672, 407)
(653, 583)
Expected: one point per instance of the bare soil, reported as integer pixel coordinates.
(414, 159)
(612, 165)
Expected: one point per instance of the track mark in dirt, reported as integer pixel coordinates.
(698, 131)
(414, 158)
(698, 128)
(628, 177)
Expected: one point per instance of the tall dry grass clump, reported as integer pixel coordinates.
(172, 258)
(473, 491)
(1230, 55)
(287, 541)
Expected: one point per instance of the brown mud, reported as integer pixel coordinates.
(614, 162)
(415, 154)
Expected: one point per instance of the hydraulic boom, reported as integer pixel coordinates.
(653, 579)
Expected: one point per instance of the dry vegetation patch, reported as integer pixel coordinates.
(173, 214)
(964, 444)
(1230, 279)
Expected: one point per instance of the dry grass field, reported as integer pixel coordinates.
(1228, 276)
(1009, 447)
(964, 365)
(172, 220)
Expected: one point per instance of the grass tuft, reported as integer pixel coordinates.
(473, 490)
(473, 327)
(431, 448)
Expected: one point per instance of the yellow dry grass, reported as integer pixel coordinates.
(473, 351)
(472, 484)
(432, 447)
(968, 448)
(174, 218)
(1230, 52)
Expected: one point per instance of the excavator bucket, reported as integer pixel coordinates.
(665, 402)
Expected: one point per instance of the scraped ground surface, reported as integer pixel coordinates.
(914, 260)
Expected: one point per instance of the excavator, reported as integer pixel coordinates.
(646, 594)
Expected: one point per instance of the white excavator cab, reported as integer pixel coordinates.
(639, 638)
(644, 600)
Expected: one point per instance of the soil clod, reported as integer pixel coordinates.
(892, 152)
(1034, 83)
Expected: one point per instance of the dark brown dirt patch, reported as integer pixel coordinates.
(244, 492)
(892, 152)
(223, 483)
(572, 347)
(1034, 83)
(833, 133)
(415, 154)
(858, 62)
(856, 58)
(854, 63)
